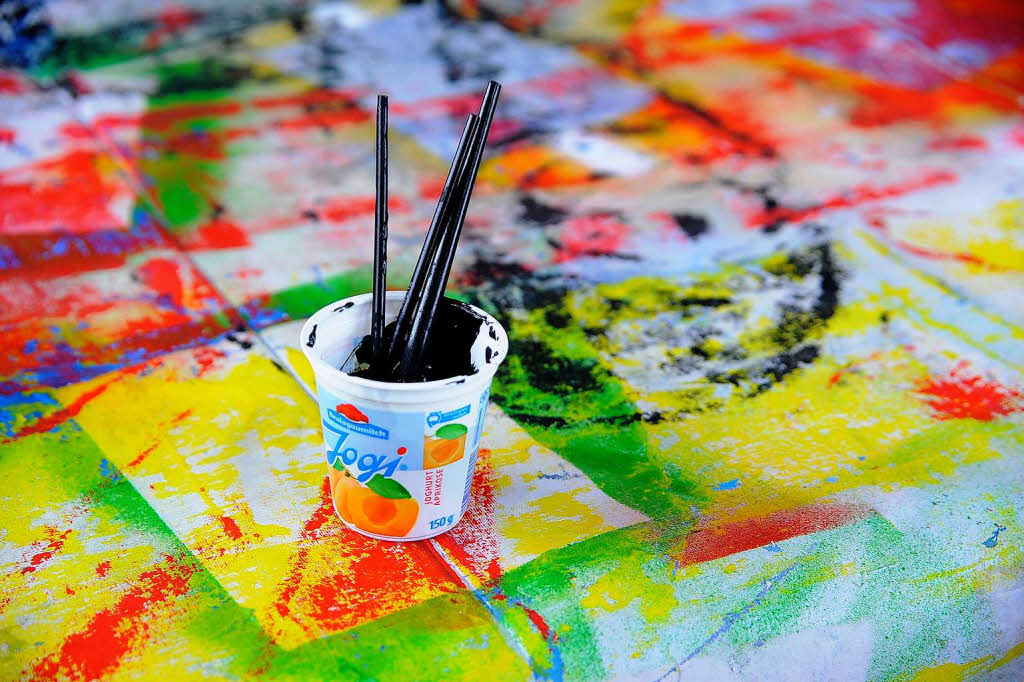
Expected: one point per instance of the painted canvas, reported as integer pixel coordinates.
(761, 263)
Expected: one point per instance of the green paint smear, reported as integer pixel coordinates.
(555, 385)
(448, 637)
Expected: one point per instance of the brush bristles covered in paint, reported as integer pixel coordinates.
(397, 351)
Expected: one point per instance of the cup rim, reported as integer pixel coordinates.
(466, 380)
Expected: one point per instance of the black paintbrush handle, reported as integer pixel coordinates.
(380, 233)
(431, 241)
(441, 265)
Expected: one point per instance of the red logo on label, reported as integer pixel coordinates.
(352, 413)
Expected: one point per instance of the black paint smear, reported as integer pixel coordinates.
(279, 367)
(538, 213)
(785, 363)
(764, 149)
(311, 341)
(557, 318)
(212, 74)
(448, 352)
(244, 343)
(557, 374)
(344, 307)
(693, 225)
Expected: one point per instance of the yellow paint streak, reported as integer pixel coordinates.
(561, 516)
(996, 237)
(233, 443)
(947, 672)
(621, 586)
(808, 437)
(300, 365)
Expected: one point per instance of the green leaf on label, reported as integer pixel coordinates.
(338, 464)
(451, 431)
(388, 487)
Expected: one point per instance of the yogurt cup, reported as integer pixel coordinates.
(400, 456)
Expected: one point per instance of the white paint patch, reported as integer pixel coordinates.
(601, 154)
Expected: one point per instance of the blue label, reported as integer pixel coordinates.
(435, 418)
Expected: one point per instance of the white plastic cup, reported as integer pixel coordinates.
(400, 456)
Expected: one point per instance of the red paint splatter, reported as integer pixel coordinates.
(68, 590)
(55, 419)
(207, 357)
(231, 528)
(958, 143)
(341, 209)
(538, 621)
(473, 544)
(313, 98)
(853, 197)
(145, 453)
(402, 451)
(168, 117)
(710, 542)
(74, 193)
(590, 235)
(218, 233)
(380, 579)
(11, 83)
(875, 220)
(325, 118)
(54, 544)
(321, 515)
(431, 188)
(352, 413)
(383, 578)
(102, 569)
(162, 275)
(110, 635)
(7, 135)
(962, 395)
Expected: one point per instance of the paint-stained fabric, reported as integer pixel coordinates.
(761, 264)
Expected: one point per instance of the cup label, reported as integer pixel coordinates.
(401, 474)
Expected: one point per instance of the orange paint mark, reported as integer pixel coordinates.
(967, 396)
(102, 569)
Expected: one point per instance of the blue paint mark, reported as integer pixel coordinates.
(30, 347)
(773, 547)
(730, 619)
(728, 485)
(8, 414)
(109, 471)
(318, 278)
(832, 479)
(994, 540)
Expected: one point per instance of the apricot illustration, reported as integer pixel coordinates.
(373, 513)
(448, 445)
(341, 484)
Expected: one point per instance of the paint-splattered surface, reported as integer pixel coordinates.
(762, 265)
